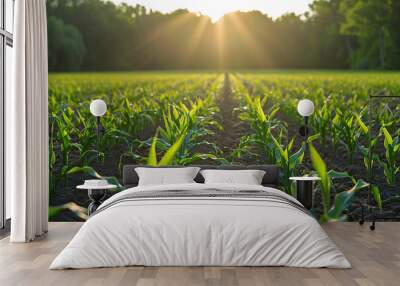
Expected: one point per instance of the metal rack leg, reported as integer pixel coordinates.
(372, 226)
(362, 220)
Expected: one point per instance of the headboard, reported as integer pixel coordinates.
(271, 178)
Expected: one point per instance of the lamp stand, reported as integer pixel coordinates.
(98, 127)
(305, 132)
(306, 129)
(98, 131)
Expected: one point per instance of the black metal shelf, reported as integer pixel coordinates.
(368, 210)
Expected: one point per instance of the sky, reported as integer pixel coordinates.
(217, 8)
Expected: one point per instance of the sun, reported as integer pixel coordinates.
(215, 10)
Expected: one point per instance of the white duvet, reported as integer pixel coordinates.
(202, 232)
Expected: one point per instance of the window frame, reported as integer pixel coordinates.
(6, 39)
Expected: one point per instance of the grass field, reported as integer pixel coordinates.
(226, 118)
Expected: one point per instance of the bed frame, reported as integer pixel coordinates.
(271, 178)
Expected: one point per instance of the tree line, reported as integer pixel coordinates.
(91, 35)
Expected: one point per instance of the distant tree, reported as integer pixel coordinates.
(394, 30)
(107, 30)
(293, 49)
(328, 48)
(65, 46)
(245, 40)
(369, 22)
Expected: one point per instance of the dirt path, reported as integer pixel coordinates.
(233, 128)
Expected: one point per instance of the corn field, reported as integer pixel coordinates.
(184, 118)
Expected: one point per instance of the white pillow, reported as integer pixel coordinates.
(166, 176)
(246, 177)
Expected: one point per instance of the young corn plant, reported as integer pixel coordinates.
(263, 125)
(133, 118)
(65, 128)
(131, 154)
(349, 134)
(386, 117)
(86, 137)
(193, 123)
(288, 161)
(169, 156)
(61, 142)
(335, 131)
(322, 123)
(52, 160)
(392, 151)
(342, 200)
(370, 157)
(368, 152)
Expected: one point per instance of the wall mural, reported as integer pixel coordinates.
(217, 103)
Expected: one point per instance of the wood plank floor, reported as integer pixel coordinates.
(375, 257)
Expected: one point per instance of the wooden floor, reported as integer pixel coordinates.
(375, 257)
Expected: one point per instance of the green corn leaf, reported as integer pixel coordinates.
(197, 157)
(363, 150)
(388, 137)
(169, 156)
(53, 212)
(344, 199)
(339, 175)
(313, 138)
(175, 111)
(377, 196)
(113, 181)
(278, 146)
(364, 127)
(273, 113)
(320, 166)
(359, 185)
(84, 170)
(152, 158)
(290, 145)
(336, 120)
(297, 157)
(79, 211)
(350, 121)
(259, 110)
(248, 99)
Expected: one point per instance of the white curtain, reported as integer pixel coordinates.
(27, 124)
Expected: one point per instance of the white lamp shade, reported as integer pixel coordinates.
(98, 107)
(305, 107)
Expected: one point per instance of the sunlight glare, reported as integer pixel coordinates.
(215, 9)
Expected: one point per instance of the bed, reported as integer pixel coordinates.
(197, 224)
